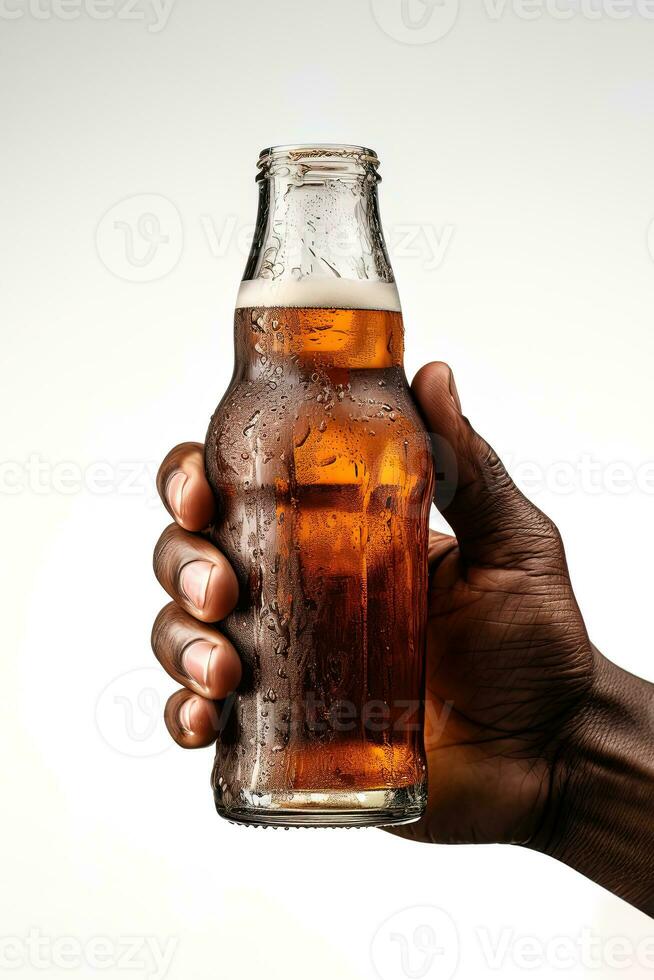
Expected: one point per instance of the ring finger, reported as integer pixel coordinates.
(194, 654)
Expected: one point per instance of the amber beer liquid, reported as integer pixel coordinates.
(323, 479)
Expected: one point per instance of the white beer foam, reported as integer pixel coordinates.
(331, 294)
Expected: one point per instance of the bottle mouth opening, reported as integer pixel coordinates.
(303, 158)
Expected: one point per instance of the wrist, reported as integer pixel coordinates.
(600, 814)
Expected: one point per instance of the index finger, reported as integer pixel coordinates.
(183, 487)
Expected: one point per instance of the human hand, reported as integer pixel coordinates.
(517, 699)
(533, 737)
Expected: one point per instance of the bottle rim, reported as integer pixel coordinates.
(310, 153)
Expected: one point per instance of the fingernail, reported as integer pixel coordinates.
(175, 492)
(196, 661)
(454, 393)
(185, 716)
(194, 580)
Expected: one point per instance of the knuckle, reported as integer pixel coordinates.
(551, 535)
(492, 468)
(178, 455)
(544, 526)
(163, 627)
(542, 540)
(164, 550)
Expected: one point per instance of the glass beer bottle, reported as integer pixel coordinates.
(322, 474)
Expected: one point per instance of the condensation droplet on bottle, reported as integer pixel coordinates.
(252, 421)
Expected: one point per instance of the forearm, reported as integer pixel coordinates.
(600, 818)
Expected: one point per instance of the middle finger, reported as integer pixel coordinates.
(195, 574)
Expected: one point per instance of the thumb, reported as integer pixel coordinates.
(494, 522)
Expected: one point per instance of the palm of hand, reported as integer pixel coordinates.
(508, 664)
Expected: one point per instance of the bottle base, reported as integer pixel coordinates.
(368, 808)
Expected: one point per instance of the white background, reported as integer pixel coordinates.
(521, 140)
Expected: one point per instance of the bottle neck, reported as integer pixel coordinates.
(318, 218)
